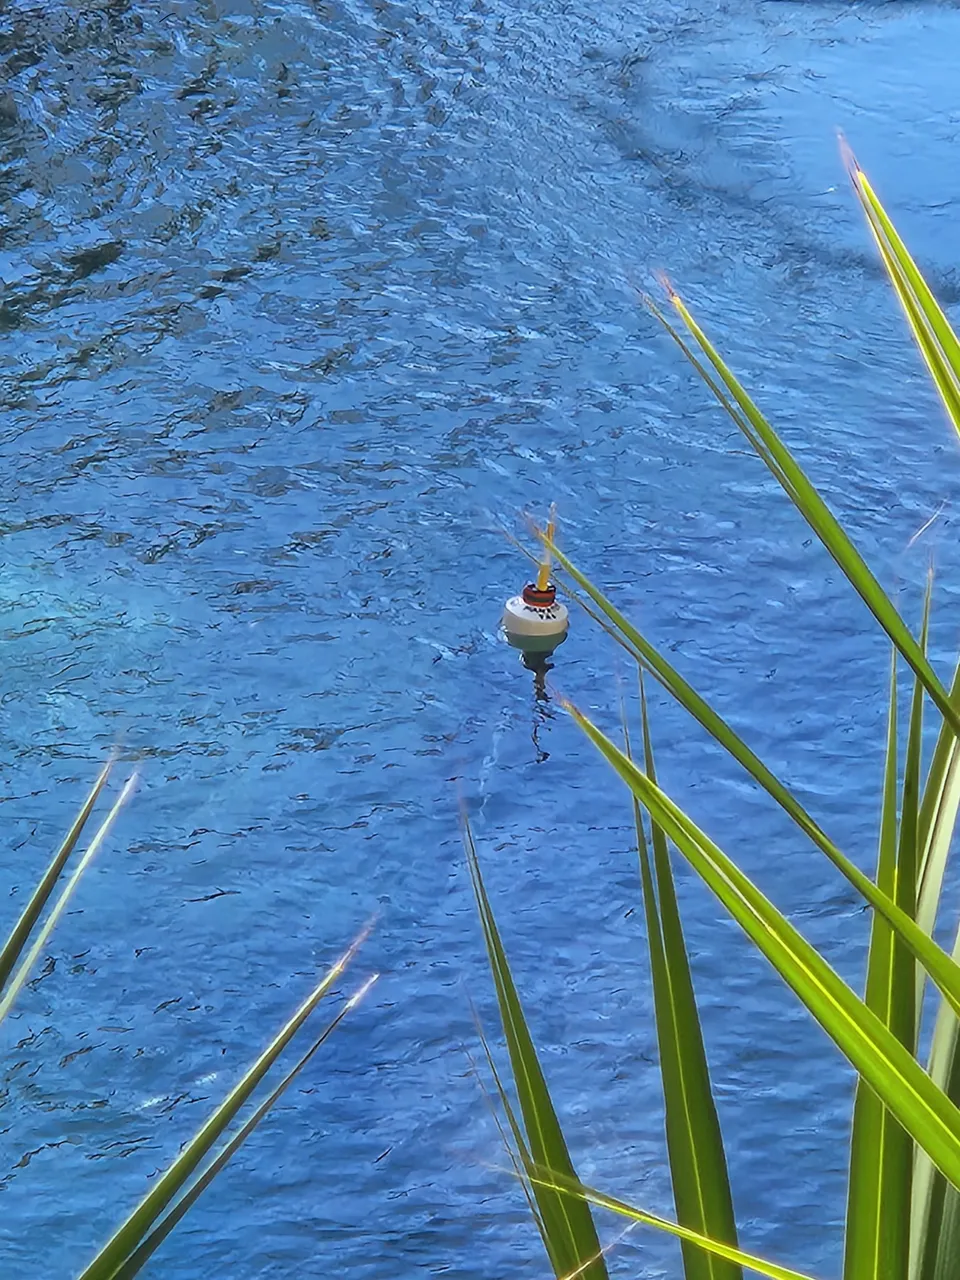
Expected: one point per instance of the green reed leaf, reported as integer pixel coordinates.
(148, 1247)
(569, 1233)
(881, 1153)
(20, 934)
(698, 1166)
(718, 1248)
(19, 978)
(891, 1070)
(944, 971)
(755, 427)
(931, 329)
(175, 1179)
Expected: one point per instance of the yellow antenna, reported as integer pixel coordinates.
(543, 573)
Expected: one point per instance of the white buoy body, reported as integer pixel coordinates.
(536, 628)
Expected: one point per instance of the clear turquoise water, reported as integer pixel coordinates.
(303, 305)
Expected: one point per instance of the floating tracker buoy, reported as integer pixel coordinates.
(535, 621)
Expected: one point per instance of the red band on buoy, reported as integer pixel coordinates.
(539, 599)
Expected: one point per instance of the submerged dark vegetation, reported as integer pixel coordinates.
(902, 1219)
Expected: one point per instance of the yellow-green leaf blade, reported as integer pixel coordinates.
(935, 1217)
(931, 329)
(146, 1249)
(876, 1243)
(698, 1166)
(17, 980)
(718, 1248)
(176, 1177)
(569, 1234)
(19, 935)
(942, 968)
(924, 1111)
(811, 506)
(938, 817)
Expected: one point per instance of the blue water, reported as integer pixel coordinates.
(304, 305)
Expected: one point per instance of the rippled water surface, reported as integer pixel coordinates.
(303, 304)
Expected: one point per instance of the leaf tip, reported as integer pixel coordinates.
(358, 995)
(667, 285)
(854, 172)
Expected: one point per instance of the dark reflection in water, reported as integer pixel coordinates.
(301, 302)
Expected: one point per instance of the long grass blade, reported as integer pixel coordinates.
(718, 1248)
(176, 1177)
(881, 1153)
(869, 1142)
(905, 1010)
(569, 1232)
(514, 1143)
(20, 977)
(768, 445)
(13, 947)
(944, 971)
(938, 817)
(935, 1212)
(698, 1166)
(891, 1070)
(935, 1217)
(142, 1254)
(931, 329)
(936, 846)
(933, 1246)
